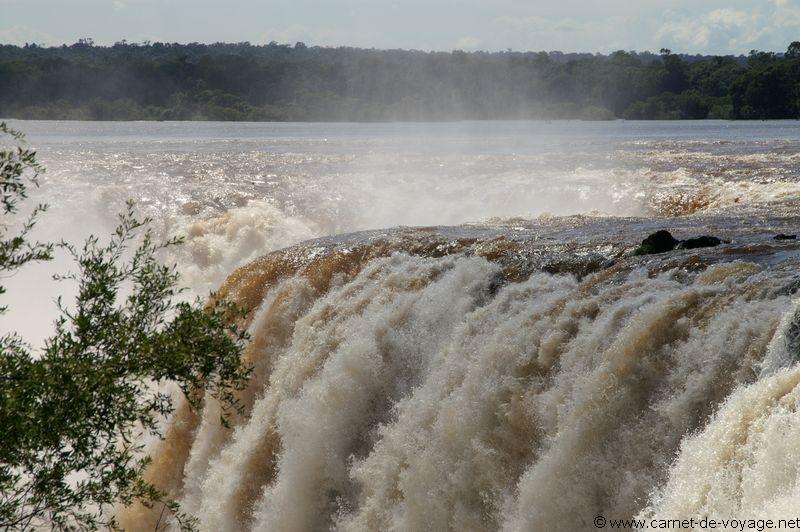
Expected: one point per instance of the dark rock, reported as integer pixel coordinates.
(782, 236)
(700, 242)
(658, 242)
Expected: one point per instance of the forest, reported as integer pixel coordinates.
(279, 82)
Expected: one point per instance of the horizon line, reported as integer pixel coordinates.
(89, 42)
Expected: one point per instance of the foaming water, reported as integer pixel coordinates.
(240, 190)
(418, 380)
(522, 370)
(745, 463)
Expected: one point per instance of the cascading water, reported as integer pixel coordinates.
(484, 379)
(527, 373)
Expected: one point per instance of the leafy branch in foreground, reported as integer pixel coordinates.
(71, 418)
(18, 170)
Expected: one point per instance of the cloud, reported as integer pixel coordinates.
(468, 43)
(720, 28)
(567, 34)
(768, 26)
(322, 36)
(20, 35)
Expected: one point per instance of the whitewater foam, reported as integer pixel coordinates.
(438, 391)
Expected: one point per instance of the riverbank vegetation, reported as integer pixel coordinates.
(159, 81)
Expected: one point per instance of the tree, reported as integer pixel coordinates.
(18, 171)
(240, 81)
(71, 416)
(675, 76)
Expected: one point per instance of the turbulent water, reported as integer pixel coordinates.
(512, 366)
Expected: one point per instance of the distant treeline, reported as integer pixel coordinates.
(158, 81)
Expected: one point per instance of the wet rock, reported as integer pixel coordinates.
(658, 242)
(782, 236)
(579, 266)
(704, 241)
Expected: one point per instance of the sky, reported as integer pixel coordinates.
(688, 26)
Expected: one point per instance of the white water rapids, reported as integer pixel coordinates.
(526, 373)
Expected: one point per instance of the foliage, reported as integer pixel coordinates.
(18, 170)
(163, 81)
(72, 416)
